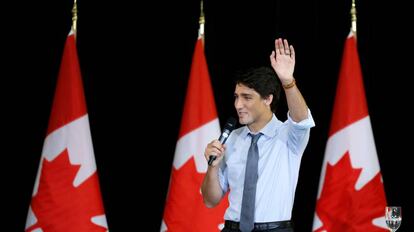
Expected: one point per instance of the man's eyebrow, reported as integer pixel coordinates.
(246, 94)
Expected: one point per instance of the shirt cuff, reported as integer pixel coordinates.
(304, 124)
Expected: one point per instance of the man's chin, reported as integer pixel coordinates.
(243, 121)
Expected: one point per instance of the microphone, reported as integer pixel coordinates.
(228, 128)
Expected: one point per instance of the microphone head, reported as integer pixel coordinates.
(228, 128)
(230, 124)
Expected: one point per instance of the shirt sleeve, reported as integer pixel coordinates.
(298, 135)
(222, 175)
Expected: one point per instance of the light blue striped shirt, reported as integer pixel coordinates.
(280, 151)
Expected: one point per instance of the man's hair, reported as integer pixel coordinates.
(264, 81)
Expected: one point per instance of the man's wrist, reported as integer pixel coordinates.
(289, 85)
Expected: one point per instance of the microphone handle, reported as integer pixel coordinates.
(211, 159)
(222, 140)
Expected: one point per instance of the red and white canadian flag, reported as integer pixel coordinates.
(66, 195)
(351, 195)
(184, 208)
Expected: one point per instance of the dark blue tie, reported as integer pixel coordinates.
(249, 191)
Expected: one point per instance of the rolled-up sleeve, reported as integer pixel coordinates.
(304, 124)
(299, 133)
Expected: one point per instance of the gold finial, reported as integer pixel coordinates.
(74, 17)
(201, 21)
(354, 18)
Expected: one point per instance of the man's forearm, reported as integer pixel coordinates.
(210, 188)
(298, 110)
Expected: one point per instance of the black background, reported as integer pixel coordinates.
(135, 59)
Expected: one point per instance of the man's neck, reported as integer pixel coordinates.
(261, 122)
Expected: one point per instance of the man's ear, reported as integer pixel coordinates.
(268, 100)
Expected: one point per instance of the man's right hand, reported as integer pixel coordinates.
(214, 148)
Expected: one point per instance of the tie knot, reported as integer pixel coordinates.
(255, 137)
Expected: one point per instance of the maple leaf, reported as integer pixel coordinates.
(185, 210)
(342, 208)
(59, 206)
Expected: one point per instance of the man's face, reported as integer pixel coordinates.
(249, 105)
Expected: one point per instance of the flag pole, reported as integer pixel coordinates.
(74, 17)
(201, 21)
(354, 19)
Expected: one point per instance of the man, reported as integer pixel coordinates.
(260, 162)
